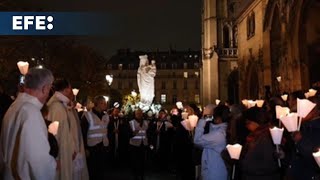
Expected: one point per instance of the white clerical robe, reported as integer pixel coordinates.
(24, 142)
(80, 170)
(58, 112)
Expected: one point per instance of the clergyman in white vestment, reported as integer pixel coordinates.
(24, 145)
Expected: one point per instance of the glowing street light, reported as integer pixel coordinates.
(134, 93)
(109, 79)
(106, 98)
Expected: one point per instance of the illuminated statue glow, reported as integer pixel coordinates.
(145, 79)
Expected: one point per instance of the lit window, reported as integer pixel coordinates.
(185, 74)
(163, 98)
(197, 98)
(120, 66)
(196, 73)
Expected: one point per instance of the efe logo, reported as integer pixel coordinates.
(36, 22)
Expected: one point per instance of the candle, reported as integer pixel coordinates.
(312, 92)
(290, 121)
(304, 107)
(193, 119)
(284, 97)
(276, 134)
(281, 111)
(75, 91)
(234, 151)
(316, 156)
(251, 103)
(260, 103)
(217, 101)
(23, 67)
(53, 128)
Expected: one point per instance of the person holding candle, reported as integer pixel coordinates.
(303, 166)
(257, 159)
(213, 143)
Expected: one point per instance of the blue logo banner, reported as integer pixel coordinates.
(55, 23)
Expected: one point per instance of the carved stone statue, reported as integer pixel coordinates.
(145, 79)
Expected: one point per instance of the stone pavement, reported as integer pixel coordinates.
(126, 174)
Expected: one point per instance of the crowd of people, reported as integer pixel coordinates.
(88, 144)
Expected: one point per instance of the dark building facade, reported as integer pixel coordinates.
(177, 78)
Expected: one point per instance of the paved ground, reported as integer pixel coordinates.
(125, 174)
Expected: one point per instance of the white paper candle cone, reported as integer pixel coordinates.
(260, 103)
(307, 95)
(179, 105)
(284, 97)
(218, 101)
(279, 78)
(186, 124)
(316, 156)
(75, 91)
(193, 119)
(23, 67)
(251, 103)
(312, 92)
(290, 121)
(281, 111)
(304, 107)
(234, 150)
(245, 102)
(184, 115)
(53, 128)
(276, 134)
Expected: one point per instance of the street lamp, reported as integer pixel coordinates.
(134, 93)
(39, 63)
(106, 98)
(109, 79)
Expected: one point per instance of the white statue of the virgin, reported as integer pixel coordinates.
(145, 79)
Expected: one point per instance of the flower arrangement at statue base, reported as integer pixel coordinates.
(132, 103)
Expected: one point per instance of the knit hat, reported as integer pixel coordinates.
(257, 115)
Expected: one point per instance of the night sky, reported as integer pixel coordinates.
(141, 24)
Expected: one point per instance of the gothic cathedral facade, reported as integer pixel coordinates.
(247, 44)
